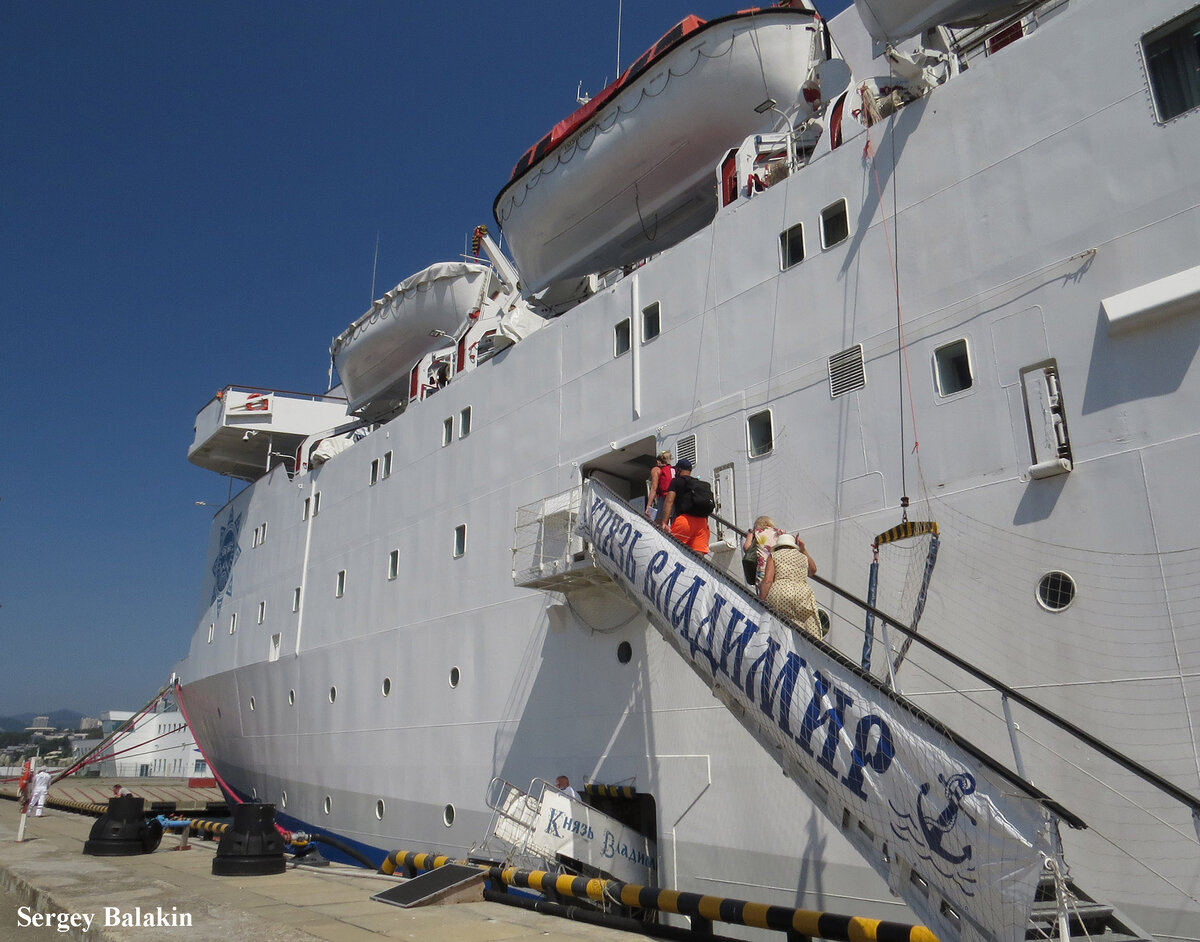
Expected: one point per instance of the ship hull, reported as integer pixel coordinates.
(382, 703)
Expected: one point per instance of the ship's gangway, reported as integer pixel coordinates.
(970, 845)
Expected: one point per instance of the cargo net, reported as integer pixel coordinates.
(900, 584)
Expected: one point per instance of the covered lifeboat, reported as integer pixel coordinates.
(426, 311)
(632, 171)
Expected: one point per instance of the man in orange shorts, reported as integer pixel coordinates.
(690, 529)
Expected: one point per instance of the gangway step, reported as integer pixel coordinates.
(1087, 919)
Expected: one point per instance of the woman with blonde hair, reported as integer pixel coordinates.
(660, 483)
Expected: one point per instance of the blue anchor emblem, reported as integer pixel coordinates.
(957, 787)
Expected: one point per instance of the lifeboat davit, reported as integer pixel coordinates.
(424, 312)
(632, 172)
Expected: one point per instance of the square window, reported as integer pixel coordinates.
(952, 368)
(262, 612)
(1172, 55)
(340, 590)
(791, 246)
(621, 338)
(393, 564)
(464, 422)
(835, 224)
(375, 471)
(447, 432)
(760, 433)
(460, 540)
(296, 599)
(387, 464)
(651, 321)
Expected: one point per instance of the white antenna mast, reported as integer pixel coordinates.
(620, 4)
(374, 267)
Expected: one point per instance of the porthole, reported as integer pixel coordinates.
(379, 809)
(1055, 591)
(291, 698)
(251, 704)
(283, 799)
(328, 806)
(332, 694)
(387, 686)
(455, 676)
(448, 815)
(254, 794)
(823, 618)
(624, 652)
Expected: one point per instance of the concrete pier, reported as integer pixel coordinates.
(155, 896)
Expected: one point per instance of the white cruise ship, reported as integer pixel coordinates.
(922, 284)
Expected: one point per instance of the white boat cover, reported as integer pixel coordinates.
(891, 21)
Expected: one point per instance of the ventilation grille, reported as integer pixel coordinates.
(686, 448)
(846, 372)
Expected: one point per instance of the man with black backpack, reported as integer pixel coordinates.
(685, 512)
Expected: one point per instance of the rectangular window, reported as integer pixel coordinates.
(212, 628)
(276, 644)
(296, 599)
(651, 321)
(393, 564)
(621, 338)
(262, 612)
(254, 539)
(316, 503)
(464, 422)
(375, 471)
(460, 540)
(307, 508)
(791, 246)
(447, 431)
(387, 464)
(200, 767)
(835, 224)
(760, 434)
(233, 623)
(952, 368)
(1172, 55)
(341, 584)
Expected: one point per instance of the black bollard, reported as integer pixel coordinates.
(123, 830)
(252, 846)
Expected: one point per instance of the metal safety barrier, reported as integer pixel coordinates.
(702, 911)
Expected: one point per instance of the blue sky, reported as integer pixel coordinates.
(190, 196)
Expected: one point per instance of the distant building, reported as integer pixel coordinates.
(41, 727)
(159, 745)
(89, 722)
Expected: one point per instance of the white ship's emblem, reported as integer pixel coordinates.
(227, 554)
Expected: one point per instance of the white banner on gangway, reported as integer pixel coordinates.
(975, 841)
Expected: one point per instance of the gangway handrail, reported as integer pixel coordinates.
(1131, 765)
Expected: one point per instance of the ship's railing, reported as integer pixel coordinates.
(547, 553)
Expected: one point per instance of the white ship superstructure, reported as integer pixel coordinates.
(957, 281)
